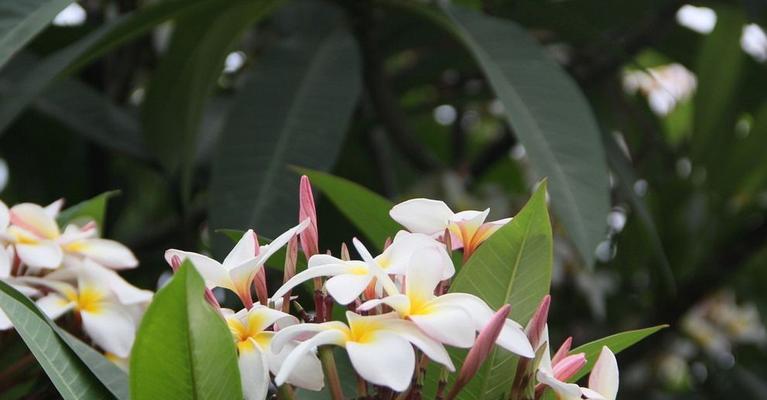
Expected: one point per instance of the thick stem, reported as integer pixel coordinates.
(331, 372)
(285, 392)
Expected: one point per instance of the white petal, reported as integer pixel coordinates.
(33, 218)
(479, 311)
(592, 395)
(447, 324)
(290, 363)
(398, 302)
(385, 359)
(308, 371)
(54, 305)
(396, 258)
(374, 269)
(124, 291)
(6, 259)
(44, 254)
(112, 328)
(422, 215)
(254, 372)
(211, 270)
(261, 317)
(309, 274)
(108, 253)
(565, 391)
(347, 287)
(514, 339)
(303, 331)
(604, 376)
(474, 218)
(433, 349)
(245, 250)
(424, 273)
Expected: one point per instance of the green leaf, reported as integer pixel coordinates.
(294, 108)
(718, 72)
(368, 211)
(113, 378)
(551, 118)
(69, 374)
(616, 343)
(89, 210)
(512, 267)
(184, 349)
(186, 75)
(21, 20)
(23, 91)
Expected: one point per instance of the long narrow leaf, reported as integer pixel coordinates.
(21, 20)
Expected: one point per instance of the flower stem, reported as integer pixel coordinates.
(331, 373)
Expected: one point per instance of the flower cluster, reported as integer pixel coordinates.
(71, 270)
(399, 314)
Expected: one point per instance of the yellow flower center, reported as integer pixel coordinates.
(242, 333)
(363, 330)
(87, 300)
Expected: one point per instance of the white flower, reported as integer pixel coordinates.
(256, 358)
(239, 268)
(604, 380)
(380, 347)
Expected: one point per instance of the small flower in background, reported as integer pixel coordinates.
(468, 229)
(664, 86)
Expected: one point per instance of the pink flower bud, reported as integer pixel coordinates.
(564, 349)
(569, 366)
(537, 324)
(481, 349)
(175, 263)
(310, 236)
(291, 258)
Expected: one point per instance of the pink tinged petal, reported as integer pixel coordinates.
(5, 216)
(564, 391)
(481, 349)
(569, 366)
(44, 254)
(33, 218)
(537, 323)
(112, 328)
(347, 287)
(211, 270)
(325, 337)
(422, 215)
(259, 284)
(254, 371)
(311, 273)
(468, 223)
(245, 250)
(487, 229)
(385, 359)
(6, 261)
(447, 324)
(108, 253)
(308, 371)
(604, 376)
(424, 273)
(54, 208)
(513, 339)
(310, 236)
(563, 351)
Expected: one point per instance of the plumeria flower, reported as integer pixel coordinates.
(604, 380)
(109, 307)
(452, 318)
(380, 347)
(40, 244)
(468, 229)
(240, 267)
(256, 358)
(350, 278)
